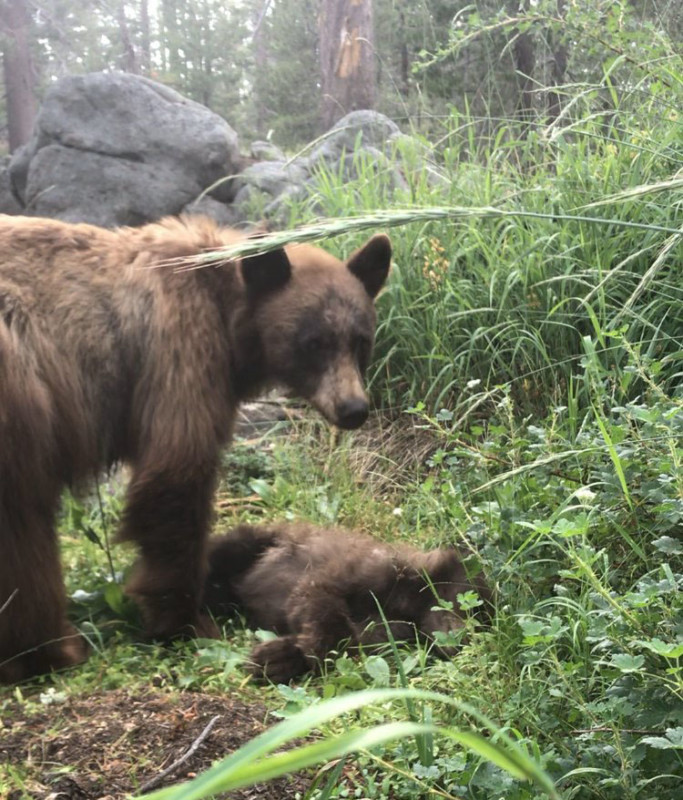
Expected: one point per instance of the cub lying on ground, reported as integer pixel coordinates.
(316, 588)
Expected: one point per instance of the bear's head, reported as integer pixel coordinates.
(312, 318)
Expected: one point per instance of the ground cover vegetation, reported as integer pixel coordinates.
(527, 379)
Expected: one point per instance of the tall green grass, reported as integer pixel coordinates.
(505, 264)
(516, 252)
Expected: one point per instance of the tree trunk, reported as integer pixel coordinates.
(347, 63)
(404, 85)
(559, 67)
(146, 48)
(260, 48)
(18, 72)
(129, 61)
(171, 38)
(525, 60)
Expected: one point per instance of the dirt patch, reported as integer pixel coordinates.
(106, 746)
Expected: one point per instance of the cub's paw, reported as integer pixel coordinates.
(278, 660)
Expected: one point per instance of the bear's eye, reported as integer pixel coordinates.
(315, 345)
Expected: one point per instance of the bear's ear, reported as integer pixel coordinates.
(443, 565)
(371, 263)
(266, 272)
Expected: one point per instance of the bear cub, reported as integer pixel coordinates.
(318, 588)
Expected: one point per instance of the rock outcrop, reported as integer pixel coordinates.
(118, 149)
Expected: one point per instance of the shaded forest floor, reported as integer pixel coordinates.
(108, 745)
(581, 658)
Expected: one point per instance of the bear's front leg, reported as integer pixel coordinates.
(168, 516)
(320, 619)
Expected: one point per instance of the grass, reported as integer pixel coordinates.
(507, 262)
(578, 525)
(528, 367)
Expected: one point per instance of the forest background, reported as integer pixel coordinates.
(290, 68)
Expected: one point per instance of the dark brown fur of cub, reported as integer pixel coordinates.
(108, 356)
(319, 587)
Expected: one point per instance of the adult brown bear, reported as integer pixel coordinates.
(319, 587)
(105, 356)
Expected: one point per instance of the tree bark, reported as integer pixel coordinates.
(525, 61)
(404, 85)
(18, 71)
(559, 66)
(129, 61)
(171, 37)
(347, 63)
(146, 48)
(260, 48)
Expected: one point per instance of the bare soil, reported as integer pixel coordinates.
(107, 745)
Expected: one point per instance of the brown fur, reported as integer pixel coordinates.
(318, 587)
(105, 356)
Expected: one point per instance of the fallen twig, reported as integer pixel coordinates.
(154, 782)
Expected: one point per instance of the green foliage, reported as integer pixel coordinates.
(256, 760)
(97, 573)
(243, 466)
(286, 80)
(523, 264)
(577, 520)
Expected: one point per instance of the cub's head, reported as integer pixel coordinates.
(444, 572)
(314, 319)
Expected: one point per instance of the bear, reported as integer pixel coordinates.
(110, 355)
(318, 588)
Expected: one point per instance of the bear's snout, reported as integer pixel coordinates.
(351, 413)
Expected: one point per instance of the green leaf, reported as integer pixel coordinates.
(468, 600)
(378, 669)
(262, 488)
(669, 545)
(574, 526)
(307, 756)
(627, 663)
(91, 535)
(114, 597)
(249, 764)
(665, 649)
(673, 741)
(616, 461)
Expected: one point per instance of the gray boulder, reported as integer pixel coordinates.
(114, 148)
(271, 177)
(9, 203)
(266, 151)
(357, 129)
(18, 170)
(361, 137)
(265, 181)
(221, 213)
